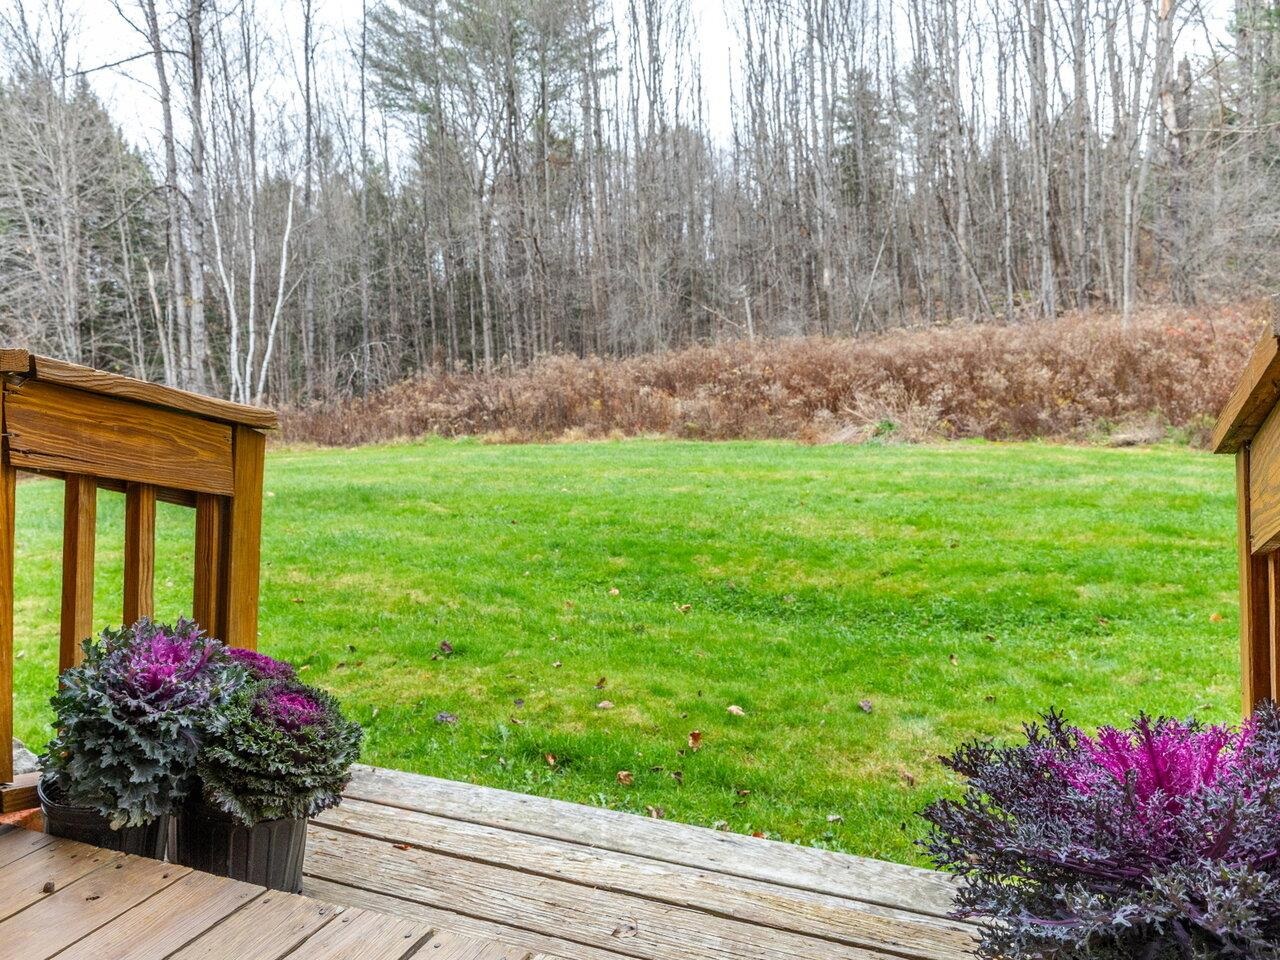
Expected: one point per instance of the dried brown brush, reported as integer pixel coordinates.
(1080, 377)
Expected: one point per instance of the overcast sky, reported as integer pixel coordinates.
(104, 37)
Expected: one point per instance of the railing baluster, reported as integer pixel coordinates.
(79, 519)
(210, 511)
(239, 622)
(139, 551)
(7, 477)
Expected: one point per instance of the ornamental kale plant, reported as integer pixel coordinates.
(284, 751)
(1154, 842)
(259, 666)
(129, 719)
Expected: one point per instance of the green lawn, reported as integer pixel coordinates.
(955, 590)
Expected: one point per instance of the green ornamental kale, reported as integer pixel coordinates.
(284, 751)
(129, 719)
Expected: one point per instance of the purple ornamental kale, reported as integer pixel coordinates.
(130, 717)
(260, 666)
(284, 751)
(1155, 842)
(291, 709)
(152, 668)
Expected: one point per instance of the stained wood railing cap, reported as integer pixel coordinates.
(17, 361)
(1257, 391)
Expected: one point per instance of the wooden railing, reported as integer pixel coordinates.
(97, 430)
(1249, 427)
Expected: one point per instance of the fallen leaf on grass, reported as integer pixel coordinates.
(683, 607)
(601, 683)
(446, 648)
(296, 600)
(657, 813)
(1215, 617)
(444, 716)
(907, 776)
(866, 706)
(557, 664)
(758, 834)
(736, 710)
(625, 778)
(604, 705)
(550, 758)
(695, 740)
(613, 591)
(834, 818)
(953, 658)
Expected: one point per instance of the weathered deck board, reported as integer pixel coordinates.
(552, 947)
(782, 908)
(582, 883)
(53, 865)
(782, 864)
(266, 929)
(166, 922)
(61, 918)
(413, 867)
(76, 902)
(370, 936)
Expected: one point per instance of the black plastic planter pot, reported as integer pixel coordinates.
(88, 826)
(268, 854)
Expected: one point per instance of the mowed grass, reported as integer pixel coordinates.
(866, 607)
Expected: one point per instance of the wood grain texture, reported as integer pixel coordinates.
(239, 590)
(805, 868)
(369, 936)
(28, 880)
(1273, 631)
(629, 924)
(8, 478)
(209, 553)
(447, 945)
(14, 360)
(1264, 485)
(114, 385)
(76, 910)
(19, 793)
(172, 918)
(56, 428)
(1254, 395)
(1255, 627)
(139, 551)
(16, 842)
(267, 929)
(79, 523)
(750, 901)
(438, 916)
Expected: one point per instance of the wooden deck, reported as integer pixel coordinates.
(76, 902)
(580, 883)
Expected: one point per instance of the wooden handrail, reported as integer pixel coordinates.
(94, 430)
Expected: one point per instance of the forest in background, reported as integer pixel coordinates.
(454, 187)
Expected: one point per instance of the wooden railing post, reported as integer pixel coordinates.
(210, 560)
(79, 519)
(1256, 599)
(139, 551)
(7, 478)
(239, 586)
